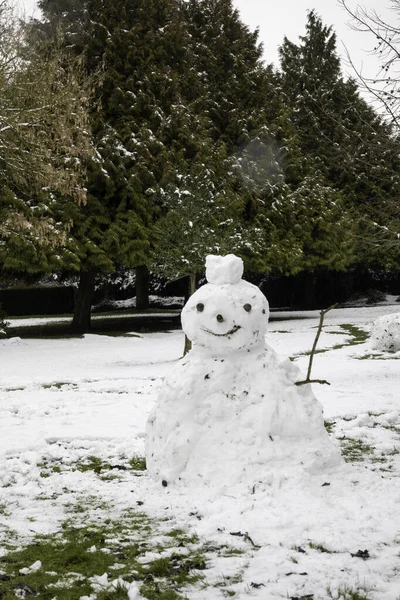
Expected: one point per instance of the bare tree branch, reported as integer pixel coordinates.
(384, 87)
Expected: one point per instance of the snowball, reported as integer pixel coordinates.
(385, 333)
(223, 269)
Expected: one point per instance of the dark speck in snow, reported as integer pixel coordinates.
(207, 376)
(364, 554)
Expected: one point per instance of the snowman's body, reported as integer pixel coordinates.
(230, 410)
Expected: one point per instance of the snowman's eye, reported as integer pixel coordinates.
(247, 307)
(200, 307)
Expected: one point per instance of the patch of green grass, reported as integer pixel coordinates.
(181, 538)
(138, 463)
(3, 509)
(319, 351)
(358, 335)
(391, 427)
(64, 554)
(58, 385)
(91, 542)
(156, 592)
(347, 593)
(73, 555)
(47, 468)
(93, 463)
(355, 450)
(320, 548)
(228, 580)
(104, 469)
(119, 593)
(329, 426)
(378, 357)
(178, 569)
(379, 459)
(233, 552)
(175, 533)
(393, 452)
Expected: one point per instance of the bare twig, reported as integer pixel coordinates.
(314, 348)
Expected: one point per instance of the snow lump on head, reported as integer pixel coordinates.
(223, 269)
(227, 314)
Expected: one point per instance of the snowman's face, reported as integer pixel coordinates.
(226, 318)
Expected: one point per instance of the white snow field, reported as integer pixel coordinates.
(71, 403)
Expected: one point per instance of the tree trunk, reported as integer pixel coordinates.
(191, 290)
(83, 304)
(142, 287)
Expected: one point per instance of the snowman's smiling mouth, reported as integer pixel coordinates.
(230, 332)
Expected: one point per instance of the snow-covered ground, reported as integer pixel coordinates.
(300, 536)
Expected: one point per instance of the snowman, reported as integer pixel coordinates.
(230, 411)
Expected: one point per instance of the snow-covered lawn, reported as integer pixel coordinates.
(72, 420)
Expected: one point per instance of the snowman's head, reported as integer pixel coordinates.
(227, 314)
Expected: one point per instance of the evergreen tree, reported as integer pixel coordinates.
(178, 80)
(233, 86)
(43, 139)
(202, 216)
(236, 90)
(137, 46)
(336, 137)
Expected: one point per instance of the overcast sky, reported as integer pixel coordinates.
(278, 18)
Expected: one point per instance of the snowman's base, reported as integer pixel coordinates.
(224, 475)
(236, 420)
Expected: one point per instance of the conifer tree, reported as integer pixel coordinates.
(43, 140)
(202, 216)
(137, 46)
(176, 79)
(339, 141)
(380, 230)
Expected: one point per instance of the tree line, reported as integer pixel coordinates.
(149, 133)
